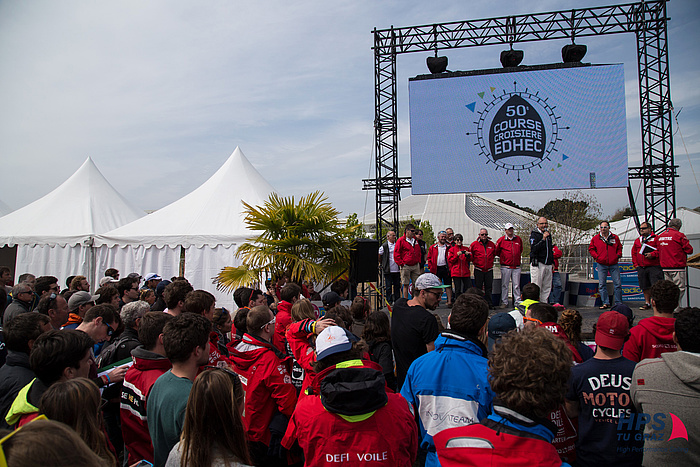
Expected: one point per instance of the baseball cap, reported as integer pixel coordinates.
(332, 340)
(509, 226)
(499, 325)
(134, 275)
(330, 299)
(152, 275)
(626, 311)
(611, 330)
(429, 281)
(107, 280)
(81, 298)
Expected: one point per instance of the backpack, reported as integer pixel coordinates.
(109, 353)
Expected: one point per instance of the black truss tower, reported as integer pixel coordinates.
(647, 19)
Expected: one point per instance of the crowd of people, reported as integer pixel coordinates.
(147, 371)
(452, 259)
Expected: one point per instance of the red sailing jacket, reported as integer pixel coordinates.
(139, 379)
(483, 256)
(509, 251)
(283, 320)
(650, 338)
(556, 254)
(459, 264)
(268, 385)
(674, 249)
(639, 260)
(303, 352)
(479, 445)
(405, 254)
(433, 252)
(603, 252)
(387, 436)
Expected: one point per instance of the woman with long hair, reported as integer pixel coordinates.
(377, 334)
(571, 321)
(213, 432)
(77, 403)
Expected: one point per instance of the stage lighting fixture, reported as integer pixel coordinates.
(511, 58)
(571, 53)
(436, 64)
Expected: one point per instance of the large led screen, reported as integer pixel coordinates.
(544, 129)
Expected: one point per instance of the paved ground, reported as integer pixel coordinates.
(589, 315)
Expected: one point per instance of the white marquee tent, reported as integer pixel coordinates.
(54, 234)
(207, 224)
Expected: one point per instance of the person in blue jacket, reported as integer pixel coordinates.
(449, 386)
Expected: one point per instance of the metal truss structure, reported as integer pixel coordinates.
(646, 19)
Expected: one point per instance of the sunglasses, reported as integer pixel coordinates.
(272, 321)
(533, 320)
(110, 331)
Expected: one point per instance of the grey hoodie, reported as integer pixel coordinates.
(670, 385)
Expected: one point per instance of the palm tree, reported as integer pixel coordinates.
(304, 240)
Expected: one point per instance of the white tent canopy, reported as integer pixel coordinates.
(54, 233)
(207, 223)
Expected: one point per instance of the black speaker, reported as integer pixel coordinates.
(363, 260)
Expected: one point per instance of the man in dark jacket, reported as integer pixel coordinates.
(19, 335)
(541, 258)
(392, 276)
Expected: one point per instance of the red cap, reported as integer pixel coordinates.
(611, 330)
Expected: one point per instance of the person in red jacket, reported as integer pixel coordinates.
(407, 255)
(509, 249)
(351, 419)
(674, 249)
(646, 262)
(483, 256)
(654, 335)
(150, 363)
(290, 294)
(606, 250)
(458, 259)
(518, 431)
(270, 396)
(437, 262)
(555, 294)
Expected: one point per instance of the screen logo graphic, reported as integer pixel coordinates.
(517, 131)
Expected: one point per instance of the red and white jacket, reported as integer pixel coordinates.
(639, 260)
(283, 320)
(556, 254)
(268, 386)
(385, 436)
(405, 254)
(509, 251)
(433, 253)
(606, 253)
(147, 368)
(483, 256)
(674, 249)
(650, 338)
(459, 264)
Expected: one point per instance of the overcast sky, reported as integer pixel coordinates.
(159, 93)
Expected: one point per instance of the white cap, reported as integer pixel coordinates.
(332, 340)
(509, 226)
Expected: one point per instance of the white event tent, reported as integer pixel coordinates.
(207, 223)
(54, 234)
